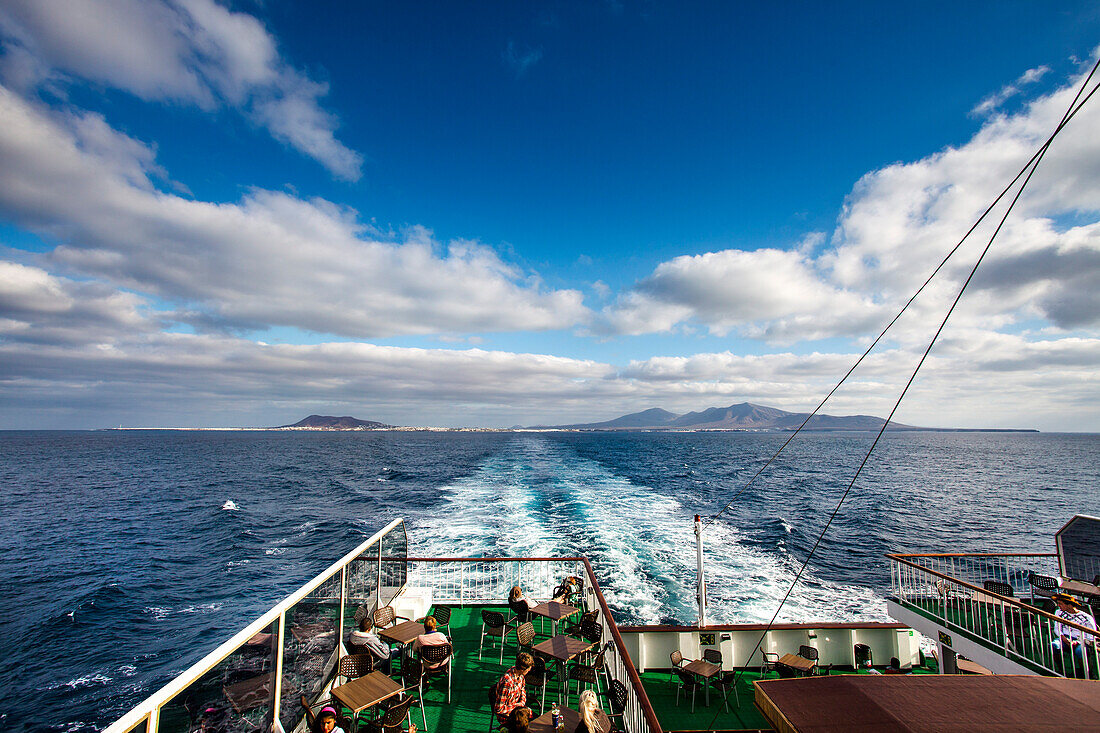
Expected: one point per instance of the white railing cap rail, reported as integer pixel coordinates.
(1004, 599)
(204, 665)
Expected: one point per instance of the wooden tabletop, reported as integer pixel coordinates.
(562, 648)
(363, 692)
(545, 722)
(965, 665)
(796, 662)
(702, 668)
(403, 633)
(1080, 587)
(553, 610)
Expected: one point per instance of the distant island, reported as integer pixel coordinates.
(747, 416)
(328, 422)
(740, 417)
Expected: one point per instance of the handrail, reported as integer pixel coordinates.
(1005, 599)
(760, 627)
(209, 661)
(631, 672)
(973, 554)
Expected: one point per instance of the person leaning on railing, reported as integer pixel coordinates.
(1068, 637)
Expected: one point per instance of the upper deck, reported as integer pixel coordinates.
(256, 680)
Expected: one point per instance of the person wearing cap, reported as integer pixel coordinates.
(1068, 637)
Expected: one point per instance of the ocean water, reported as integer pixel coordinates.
(128, 555)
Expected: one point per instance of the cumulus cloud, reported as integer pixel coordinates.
(271, 259)
(184, 51)
(769, 292)
(896, 225)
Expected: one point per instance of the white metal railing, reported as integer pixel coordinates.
(489, 580)
(952, 590)
(253, 681)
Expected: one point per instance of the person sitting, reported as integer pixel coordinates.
(568, 588)
(430, 637)
(511, 689)
(1066, 637)
(519, 721)
(894, 667)
(520, 604)
(324, 721)
(589, 707)
(363, 640)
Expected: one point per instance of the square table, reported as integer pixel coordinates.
(562, 648)
(366, 691)
(1080, 587)
(555, 612)
(403, 633)
(704, 669)
(795, 662)
(545, 722)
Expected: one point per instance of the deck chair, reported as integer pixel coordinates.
(725, 683)
(442, 616)
(393, 720)
(435, 654)
(617, 698)
(811, 653)
(354, 666)
(678, 661)
(1044, 587)
(493, 625)
(687, 682)
(386, 616)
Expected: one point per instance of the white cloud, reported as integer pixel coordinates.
(991, 103)
(271, 259)
(770, 293)
(896, 225)
(185, 51)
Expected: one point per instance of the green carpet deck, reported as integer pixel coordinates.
(472, 678)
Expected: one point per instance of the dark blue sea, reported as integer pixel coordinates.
(128, 555)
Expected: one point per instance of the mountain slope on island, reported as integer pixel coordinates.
(328, 422)
(743, 416)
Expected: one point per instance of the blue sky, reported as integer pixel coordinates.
(237, 214)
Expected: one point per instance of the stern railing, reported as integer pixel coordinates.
(951, 590)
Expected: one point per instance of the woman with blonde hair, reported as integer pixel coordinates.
(589, 707)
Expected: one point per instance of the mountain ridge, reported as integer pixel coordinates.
(747, 416)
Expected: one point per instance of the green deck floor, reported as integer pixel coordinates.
(471, 679)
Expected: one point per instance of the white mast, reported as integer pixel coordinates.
(702, 582)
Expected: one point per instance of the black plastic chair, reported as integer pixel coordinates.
(617, 697)
(1001, 589)
(1043, 586)
(393, 720)
(574, 629)
(434, 655)
(521, 612)
(809, 652)
(687, 682)
(863, 654)
(769, 662)
(493, 624)
(442, 616)
(585, 673)
(725, 683)
(714, 656)
(541, 674)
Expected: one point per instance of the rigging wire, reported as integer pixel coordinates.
(1071, 111)
(1030, 167)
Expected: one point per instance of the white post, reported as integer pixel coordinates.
(702, 589)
